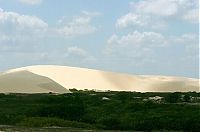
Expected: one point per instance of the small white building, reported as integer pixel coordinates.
(105, 98)
(156, 99)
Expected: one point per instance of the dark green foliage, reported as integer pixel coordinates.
(187, 98)
(86, 109)
(48, 122)
(173, 97)
(65, 107)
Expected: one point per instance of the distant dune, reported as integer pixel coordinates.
(46, 78)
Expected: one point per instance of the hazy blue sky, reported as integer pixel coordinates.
(131, 36)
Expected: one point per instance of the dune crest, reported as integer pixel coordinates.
(83, 78)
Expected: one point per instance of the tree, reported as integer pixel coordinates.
(186, 98)
(173, 97)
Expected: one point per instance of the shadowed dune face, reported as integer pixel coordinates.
(27, 82)
(82, 78)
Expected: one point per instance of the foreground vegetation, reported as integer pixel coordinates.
(103, 110)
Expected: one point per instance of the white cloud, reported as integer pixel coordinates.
(76, 51)
(80, 25)
(163, 7)
(20, 33)
(91, 14)
(156, 7)
(3, 38)
(137, 47)
(190, 41)
(25, 36)
(186, 39)
(21, 20)
(146, 48)
(76, 55)
(138, 39)
(132, 19)
(192, 16)
(190, 44)
(31, 2)
(15, 26)
(157, 12)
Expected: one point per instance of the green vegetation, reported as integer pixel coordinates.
(103, 110)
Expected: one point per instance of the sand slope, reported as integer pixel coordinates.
(27, 82)
(82, 78)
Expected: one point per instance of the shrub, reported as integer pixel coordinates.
(48, 122)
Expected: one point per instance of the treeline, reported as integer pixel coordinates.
(103, 110)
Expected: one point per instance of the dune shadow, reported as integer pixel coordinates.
(119, 81)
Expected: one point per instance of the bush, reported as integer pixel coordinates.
(186, 98)
(48, 122)
(173, 97)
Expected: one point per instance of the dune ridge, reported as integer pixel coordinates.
(83, 78)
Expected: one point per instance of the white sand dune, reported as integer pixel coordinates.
(82, 78)
(27, 82)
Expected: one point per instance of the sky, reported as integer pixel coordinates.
(151, 37)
